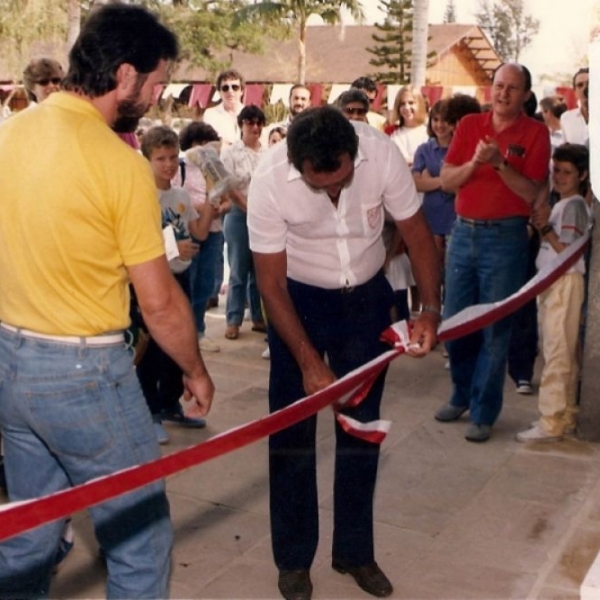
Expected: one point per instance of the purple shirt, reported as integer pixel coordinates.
(438, 205)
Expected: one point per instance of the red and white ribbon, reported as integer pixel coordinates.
(19, 517)
(479, 316)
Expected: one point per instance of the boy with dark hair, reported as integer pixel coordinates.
(559, 307)
(160, 377)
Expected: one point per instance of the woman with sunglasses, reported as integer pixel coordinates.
(42, 77)
(240, 160)
(223, 117)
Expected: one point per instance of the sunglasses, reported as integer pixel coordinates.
(361, 112)
(236, 87)
(45, 82)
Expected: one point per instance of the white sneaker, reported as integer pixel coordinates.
(568, 430)
(208, 345)
(537, 434)
(266, 353)
(524, 387)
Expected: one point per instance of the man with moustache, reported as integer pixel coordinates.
(497, 164)
(79, 219)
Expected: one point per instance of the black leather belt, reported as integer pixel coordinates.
(490, 222)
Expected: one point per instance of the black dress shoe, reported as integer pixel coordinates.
(295, 585)
(369, 577)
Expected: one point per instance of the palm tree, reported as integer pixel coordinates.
(419, 42)
(296, 12)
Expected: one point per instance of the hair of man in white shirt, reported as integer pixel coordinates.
(322, 136)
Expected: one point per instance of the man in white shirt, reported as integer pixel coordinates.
(574, 122)
(223, 117)
(553, 107)
(315, 216)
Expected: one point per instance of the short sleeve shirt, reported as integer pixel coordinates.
(438, 205)
(79, 207)
(570, 218)
(525, 145)
(177, 211)
(575, 129)
(326, 246)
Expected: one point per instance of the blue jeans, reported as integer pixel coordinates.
(71, 413)
(484, 264)
(203, 272)
(523, 345)
(346, 327)
(220, 266)
(242, 281)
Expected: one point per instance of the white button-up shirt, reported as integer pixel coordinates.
(224, 123)
(326, 246)
(574, 127)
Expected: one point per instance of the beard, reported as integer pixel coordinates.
(129, 113)
(130, 110)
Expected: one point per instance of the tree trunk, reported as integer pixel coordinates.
(302, 53)
(419, 42)
(74, 21)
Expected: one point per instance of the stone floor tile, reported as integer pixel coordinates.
(576, 556)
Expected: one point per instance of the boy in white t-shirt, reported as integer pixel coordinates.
(559, 307)
(160, 377)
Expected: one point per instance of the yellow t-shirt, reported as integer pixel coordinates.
(77, 206)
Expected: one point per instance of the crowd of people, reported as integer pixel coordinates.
(337, 222)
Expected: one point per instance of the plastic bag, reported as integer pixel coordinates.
(218, 180)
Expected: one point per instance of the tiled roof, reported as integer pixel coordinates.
(340, 54)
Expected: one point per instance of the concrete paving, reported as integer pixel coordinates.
(453, 520)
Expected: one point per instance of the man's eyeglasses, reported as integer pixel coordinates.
(236, 87)
(359, 112)
(45, 82)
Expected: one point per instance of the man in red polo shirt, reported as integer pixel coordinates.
(497, 165)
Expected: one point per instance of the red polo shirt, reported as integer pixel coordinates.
(525, 145)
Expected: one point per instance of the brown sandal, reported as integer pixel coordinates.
(232, 332)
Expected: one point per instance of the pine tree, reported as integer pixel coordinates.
(450, 12)
(392, 49)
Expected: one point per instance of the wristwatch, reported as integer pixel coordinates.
(432, 309)
(546, 229)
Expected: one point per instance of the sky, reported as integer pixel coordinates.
(557, 49)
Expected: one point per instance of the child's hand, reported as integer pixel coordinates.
(540, 215)
(187, 249)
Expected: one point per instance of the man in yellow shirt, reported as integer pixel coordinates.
(79, 219)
